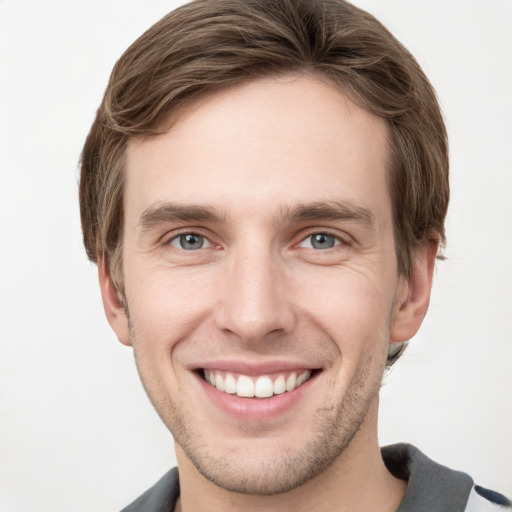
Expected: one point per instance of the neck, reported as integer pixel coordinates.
(357, 481)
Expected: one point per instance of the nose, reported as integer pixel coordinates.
(254, 300)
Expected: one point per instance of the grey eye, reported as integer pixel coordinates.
(322, 241)
(189, 242)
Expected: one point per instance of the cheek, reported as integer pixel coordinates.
(351, 307)
(165, 306)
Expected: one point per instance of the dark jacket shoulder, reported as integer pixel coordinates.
(159, 498)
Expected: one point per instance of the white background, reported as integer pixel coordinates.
(77, 433)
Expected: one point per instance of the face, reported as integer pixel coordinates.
(261, 279)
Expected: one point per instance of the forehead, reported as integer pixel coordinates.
(285, 140)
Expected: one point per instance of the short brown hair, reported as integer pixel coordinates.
(208, 45)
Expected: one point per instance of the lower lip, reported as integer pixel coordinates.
(255, 408)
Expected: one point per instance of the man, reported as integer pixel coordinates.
(264, 190)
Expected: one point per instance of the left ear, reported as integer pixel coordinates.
(112, 303)
(414, 294)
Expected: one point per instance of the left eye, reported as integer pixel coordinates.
(190, 242)
(320, 241)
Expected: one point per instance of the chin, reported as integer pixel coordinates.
(262, 467)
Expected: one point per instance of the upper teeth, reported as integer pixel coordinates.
(262, 387)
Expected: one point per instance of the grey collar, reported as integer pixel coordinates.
(431, 487)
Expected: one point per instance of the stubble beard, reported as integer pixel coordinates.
(334, 428)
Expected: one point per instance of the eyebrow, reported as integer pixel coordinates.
(302, 212)
(172, 212)
(327, 210)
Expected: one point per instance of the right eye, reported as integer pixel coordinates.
(320, 241)
(189, 242)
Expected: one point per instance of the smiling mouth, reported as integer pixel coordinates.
(263, 386)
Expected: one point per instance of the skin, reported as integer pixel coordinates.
(258, 291)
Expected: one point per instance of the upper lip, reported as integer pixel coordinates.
(253, 368)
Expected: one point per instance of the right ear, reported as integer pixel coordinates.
(114, 309)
